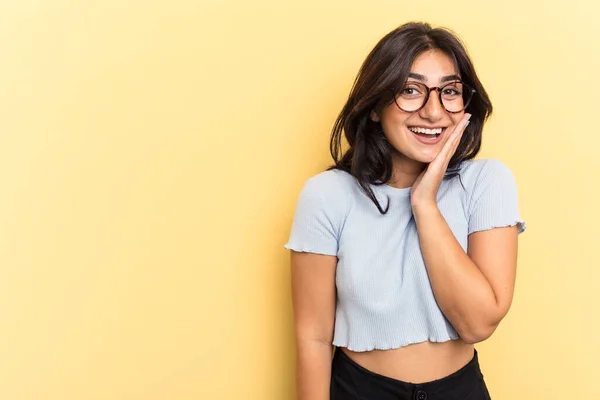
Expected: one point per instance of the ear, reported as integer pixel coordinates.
(374, 116)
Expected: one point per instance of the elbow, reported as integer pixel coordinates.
(477, 333)
(474, 338)
(479, 328)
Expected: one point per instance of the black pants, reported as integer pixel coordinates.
(350, 381)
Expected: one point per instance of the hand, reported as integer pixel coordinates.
(424, 190)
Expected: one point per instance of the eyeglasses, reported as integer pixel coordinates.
(454, 96)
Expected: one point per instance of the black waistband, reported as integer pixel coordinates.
(346, 370)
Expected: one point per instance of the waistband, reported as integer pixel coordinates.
(454, 384)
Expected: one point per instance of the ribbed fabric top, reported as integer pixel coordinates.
(384, 297)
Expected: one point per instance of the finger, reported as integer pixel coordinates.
(462, 125)
(457, 135)
(440, 163)
(453, 141)
(457, 138)
(445, 155)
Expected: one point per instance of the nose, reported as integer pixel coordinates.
(433, 109)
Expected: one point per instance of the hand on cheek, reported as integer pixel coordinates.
(425, 188)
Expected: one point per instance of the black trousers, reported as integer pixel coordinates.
(350, 381)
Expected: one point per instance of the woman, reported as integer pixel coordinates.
(404, 252)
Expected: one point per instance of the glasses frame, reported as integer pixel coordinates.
(438, 89)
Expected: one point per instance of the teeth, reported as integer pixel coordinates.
(436, 131)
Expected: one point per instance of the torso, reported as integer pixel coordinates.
(384, 297)
(416, 363)
(424, 361)
(427, 360)
(387, 318)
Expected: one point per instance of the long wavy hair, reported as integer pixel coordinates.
(369, 155)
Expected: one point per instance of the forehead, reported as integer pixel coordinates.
(433, 65)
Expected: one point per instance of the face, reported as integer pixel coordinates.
(408, 132)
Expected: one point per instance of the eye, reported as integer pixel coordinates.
(451, 92)
(411, 91)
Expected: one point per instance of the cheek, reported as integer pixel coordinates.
(456, 118)
(393, 119)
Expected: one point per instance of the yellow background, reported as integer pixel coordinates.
(151, 153)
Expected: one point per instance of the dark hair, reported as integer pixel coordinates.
(369, 156)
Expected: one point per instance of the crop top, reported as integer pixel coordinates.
(384, 299)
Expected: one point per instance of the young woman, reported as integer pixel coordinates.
(404, 252)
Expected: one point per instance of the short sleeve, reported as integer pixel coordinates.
(315, 228)
(494, 201)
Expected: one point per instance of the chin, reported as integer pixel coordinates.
(417, 153)
(426, 158)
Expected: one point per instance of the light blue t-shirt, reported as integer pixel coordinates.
(384, 297)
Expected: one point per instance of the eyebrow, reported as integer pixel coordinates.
(422, 78)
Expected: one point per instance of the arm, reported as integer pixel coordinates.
(474, 290)
(313, 296)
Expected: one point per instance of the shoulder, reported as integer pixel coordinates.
(483, 165)
(330, 186)
(321, 210)
(492, 195)
(487, 170)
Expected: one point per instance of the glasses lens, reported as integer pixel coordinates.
(456, 96)
(412, 96)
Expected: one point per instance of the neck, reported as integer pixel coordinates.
(405, 171)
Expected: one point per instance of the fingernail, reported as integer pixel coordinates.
(466, 124)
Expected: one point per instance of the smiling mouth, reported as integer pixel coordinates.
(426, 132)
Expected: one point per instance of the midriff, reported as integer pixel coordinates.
(416, 363)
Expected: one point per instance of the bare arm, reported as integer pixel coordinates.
(313, 296)
(474, 290)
